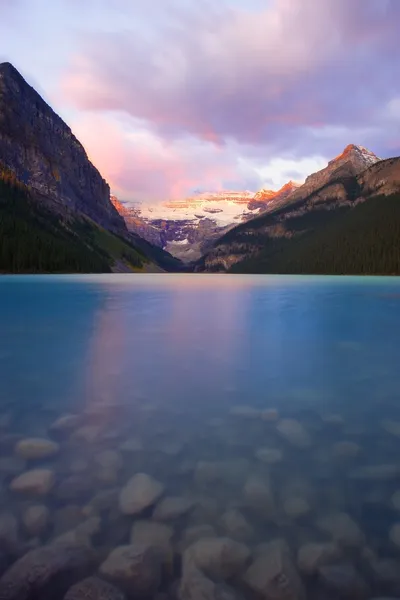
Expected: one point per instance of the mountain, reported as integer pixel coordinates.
(265, 199)
(344, 219)
(51, 191)
(186, 228)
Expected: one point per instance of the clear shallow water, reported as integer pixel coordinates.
(157, 366)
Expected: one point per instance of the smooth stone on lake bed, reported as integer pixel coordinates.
(37, 481)
(195, 585)
(109, 459)
(172, 507)
(258, 494)
(36, 519)
(135, 568)
(313, 555)
(36, 448)
(43, 566)
(65, 422)
(236, 525)
(154, 534)
(8, 530)
(344, 580)
(294, 433)
(296, 507)
(94, 588)
(343, 529)
(273, 575)
(219, 557)
(140, 492)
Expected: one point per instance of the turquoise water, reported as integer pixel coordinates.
(164, 362)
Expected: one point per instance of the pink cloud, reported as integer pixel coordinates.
(140, 165)
(264, 77)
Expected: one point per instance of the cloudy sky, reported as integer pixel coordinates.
(171, 96)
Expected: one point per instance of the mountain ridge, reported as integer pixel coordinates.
(342, 191)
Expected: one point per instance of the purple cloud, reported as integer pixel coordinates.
(265, 79)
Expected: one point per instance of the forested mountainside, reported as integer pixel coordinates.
(348, 225)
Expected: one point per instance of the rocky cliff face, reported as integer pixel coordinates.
(265, 199)
(42, 152)
(352, 177)
(350, 163)
(137, 225)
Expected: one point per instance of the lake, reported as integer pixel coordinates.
(262, 414)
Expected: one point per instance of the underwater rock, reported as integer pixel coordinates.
(273, 575)
(296, 507)
(134, 568)
(140, 492)
(156, 535)
(172, 507)
(94, 588)
(104, 500)
(67, 518)
(207, 472)
(257, 494)
(74, 487)
(196, 586)
(88, 433)
(65, 423)
(47, 567)
(37, 482)
(109, 460)
(270, 456)
(8, 531)
(236, 525)
(311, 556)
(197, 532)
(82, 534)
(36, 448)
(342, 528)
(216, 557)
(344, 580)
(294, 433)
(36, 519)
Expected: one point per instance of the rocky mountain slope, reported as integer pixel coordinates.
(265, 199)
(43, 160)
(353, 178)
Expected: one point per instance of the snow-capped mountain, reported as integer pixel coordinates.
(186, 227)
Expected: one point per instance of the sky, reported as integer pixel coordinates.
(173, 96)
